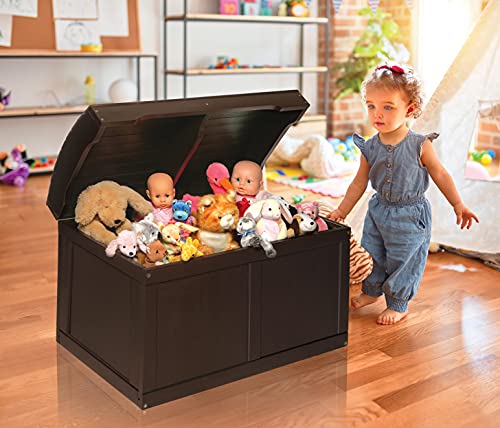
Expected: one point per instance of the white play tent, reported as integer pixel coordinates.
(472, 80)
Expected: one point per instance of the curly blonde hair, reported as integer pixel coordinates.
(384, 76)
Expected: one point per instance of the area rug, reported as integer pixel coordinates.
(334, 187)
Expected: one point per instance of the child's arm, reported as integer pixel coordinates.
(354, 192)
(446, 185)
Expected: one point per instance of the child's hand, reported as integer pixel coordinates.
(464, 216)
(336, 215)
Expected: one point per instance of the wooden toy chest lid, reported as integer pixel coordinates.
(127, 142)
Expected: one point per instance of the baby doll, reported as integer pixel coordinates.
(161, 193)
(247, 181)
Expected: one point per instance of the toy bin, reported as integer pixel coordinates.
(161, 333)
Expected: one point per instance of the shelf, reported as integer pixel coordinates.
(246, 18)
(30, 53)
(263, 70)
(49, 160)
(41, 111)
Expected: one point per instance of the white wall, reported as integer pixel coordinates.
(34, 81)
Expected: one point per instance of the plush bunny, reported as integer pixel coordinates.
(127, 243)
(267, 215)
(246, 228)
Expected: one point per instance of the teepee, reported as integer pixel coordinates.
(472, 80)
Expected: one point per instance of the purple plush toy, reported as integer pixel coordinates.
(18, 171)
(4, 98)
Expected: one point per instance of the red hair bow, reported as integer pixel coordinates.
(394, 68)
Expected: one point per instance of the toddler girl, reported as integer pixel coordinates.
(398, 162)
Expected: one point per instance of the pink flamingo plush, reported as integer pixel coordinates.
(218, 179)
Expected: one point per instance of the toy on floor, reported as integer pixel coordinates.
(312, 210)
(16, 170)
(347, 149)
(4, 98)
(246, 228)
(126, 242)
(302, 224)
(485, 157)
(101, 210)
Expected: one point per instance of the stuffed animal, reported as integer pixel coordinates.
(155, 253)
(312, 210)
(302, 224)
(360, 260)
(15, 171)
(101, 210)
(249, 238)
(126, 242)
(146, 230)
(171, 235)
(217, 216)
(267, 214)
(181, 211)
(218, 180)
(189, 249)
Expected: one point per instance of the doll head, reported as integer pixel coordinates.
(247, 178)
(160, 190)
(395, 92)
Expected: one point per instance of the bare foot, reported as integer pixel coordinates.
(389, 317)
(362, 300)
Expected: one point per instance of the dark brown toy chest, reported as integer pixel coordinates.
(161, 333)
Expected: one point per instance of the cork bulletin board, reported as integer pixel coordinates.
(38, 34)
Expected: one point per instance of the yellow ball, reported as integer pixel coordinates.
(486, 159)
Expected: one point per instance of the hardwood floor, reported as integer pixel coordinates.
(437, 368)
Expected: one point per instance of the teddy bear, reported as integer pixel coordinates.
(155, 253)
(181, 211)
(217, 216)
(101, 210)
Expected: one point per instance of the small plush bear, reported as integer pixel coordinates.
(181, 211)
(155, 253)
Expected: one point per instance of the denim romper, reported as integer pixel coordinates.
(397, 228)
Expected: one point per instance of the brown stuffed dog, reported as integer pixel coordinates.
(101, 210)
(217, 216)
(155, 254)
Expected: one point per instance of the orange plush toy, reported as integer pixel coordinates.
(217, 217)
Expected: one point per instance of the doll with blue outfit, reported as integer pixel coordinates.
(398, 163)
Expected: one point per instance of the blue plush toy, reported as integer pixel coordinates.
(181, 209)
